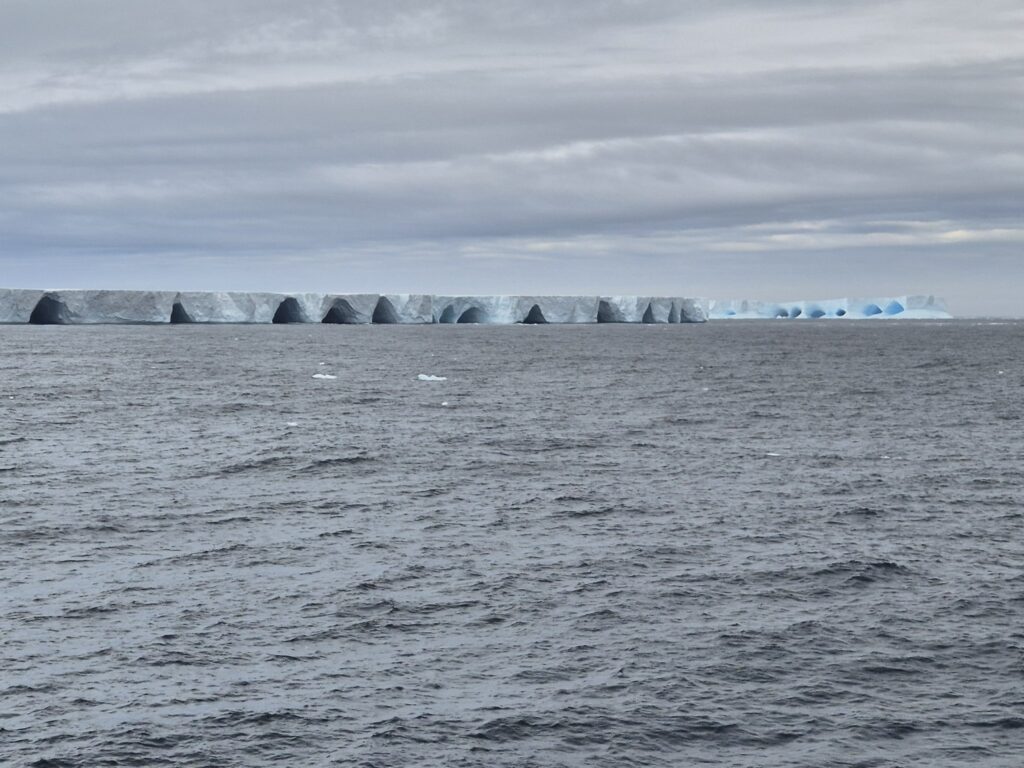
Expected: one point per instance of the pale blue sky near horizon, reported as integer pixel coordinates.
(777, 150)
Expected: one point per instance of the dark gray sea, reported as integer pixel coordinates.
(732, 544)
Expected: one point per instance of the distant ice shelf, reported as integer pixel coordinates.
(879, 308)
(87, 307)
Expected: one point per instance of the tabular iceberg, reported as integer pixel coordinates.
(76, 307)
(889, 307)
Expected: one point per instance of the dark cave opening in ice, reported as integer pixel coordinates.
(535, 316)
(178, 314)
(341, 313)
(49, 311)
(384, 313)
(288, 311)
(473, 315)
(606, 313)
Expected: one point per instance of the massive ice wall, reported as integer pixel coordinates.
(85, 307)
(74, 307)
(568, 309)
(888, 307)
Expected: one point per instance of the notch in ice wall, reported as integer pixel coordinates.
(178, 314)
(289, 311)
(341, 312)
(49, 311)
(384, 313)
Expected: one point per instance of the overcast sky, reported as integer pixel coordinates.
(768, 149)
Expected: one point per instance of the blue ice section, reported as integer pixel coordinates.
(878, 308)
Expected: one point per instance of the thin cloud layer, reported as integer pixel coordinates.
(768, 150)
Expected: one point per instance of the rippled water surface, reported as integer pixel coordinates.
(737, 544)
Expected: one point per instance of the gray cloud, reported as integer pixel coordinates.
(729, 148)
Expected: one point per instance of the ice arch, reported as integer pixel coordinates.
(448, 316)
(341, 313)
(178, 314)
(673, 314)
(872, 309)
(289, 311)
(840, 313)
(894, 308)
(606, 313)
(49, 311)
(816, 312)
(534, 316)
(795, 312)
(473, 315)
(648, 315)
(384, 313)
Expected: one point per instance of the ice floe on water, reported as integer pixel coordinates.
(323, 376)
(428, 377)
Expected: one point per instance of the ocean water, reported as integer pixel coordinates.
(736, 544)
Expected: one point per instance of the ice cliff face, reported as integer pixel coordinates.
(85, 307)
(889, 307)
(142, 307)
(568, 309)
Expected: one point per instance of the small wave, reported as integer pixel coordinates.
(339, 461)
(860, 571)
(861, 511)
(1010, 722)
(255, 465)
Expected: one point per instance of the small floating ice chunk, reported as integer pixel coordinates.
(323, 376)
(445, 403)
(428, 377)
(772, 454)
(291, 424)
